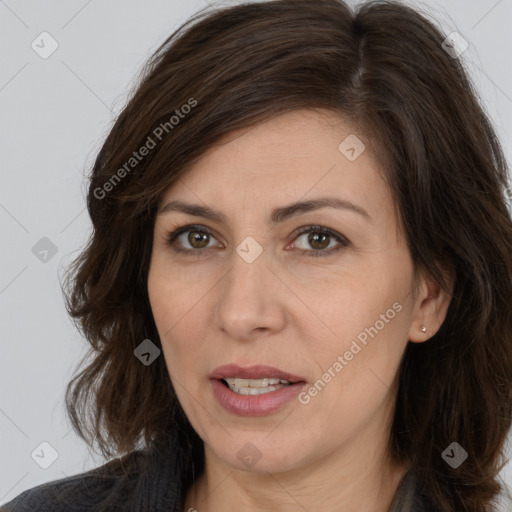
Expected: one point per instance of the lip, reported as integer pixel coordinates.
(253, 372)
(254, 405)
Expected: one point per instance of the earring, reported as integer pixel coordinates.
(423, 328)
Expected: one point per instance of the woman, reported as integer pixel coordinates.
(298, 286)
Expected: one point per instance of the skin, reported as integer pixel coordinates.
(293, 311)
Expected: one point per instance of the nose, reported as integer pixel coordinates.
(251, 299)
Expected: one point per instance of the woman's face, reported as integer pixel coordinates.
(335, 310)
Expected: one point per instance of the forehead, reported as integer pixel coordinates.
(298, 155)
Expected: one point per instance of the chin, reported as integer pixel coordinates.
(246, 453)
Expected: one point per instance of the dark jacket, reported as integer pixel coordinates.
(149, 481)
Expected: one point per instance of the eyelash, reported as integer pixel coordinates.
(171, 237)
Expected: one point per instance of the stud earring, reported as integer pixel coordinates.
(423, 328)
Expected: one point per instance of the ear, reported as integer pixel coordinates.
(431, 306)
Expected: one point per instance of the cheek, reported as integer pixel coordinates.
(172, 296)
(346, 303)
(354, 368)
(177, 302)
(362, 317)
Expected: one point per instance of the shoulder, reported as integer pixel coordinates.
(411, 496)
(97, 489)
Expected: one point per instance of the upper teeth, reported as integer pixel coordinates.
(254, 383)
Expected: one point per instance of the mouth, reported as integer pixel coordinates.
(254, 380)
(254, 390)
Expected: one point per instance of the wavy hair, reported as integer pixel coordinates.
(382, 66)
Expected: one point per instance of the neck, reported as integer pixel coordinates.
(350, 480)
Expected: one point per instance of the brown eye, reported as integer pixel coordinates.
(197, 239)
(190, 240)
(319, 239)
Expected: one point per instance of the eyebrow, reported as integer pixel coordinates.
(278, 215)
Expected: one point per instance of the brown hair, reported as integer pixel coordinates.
(384, 69)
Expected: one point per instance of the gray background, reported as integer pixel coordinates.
(54, 114)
